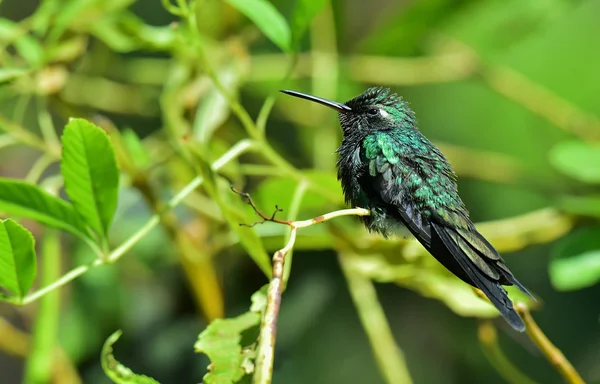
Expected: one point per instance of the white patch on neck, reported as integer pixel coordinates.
(383, 113)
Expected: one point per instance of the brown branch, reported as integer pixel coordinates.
(268, 329)
(246, 196)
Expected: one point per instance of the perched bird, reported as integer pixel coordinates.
(386, 165)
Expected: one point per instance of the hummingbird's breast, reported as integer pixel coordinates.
(361, 189)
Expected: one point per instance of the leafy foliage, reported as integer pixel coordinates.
(17, 258)
(230, 361)
(202, 74)
(268, 19)
(116, 371)
(576, 261)
(91, 175)
(22, 199)
(577, 159)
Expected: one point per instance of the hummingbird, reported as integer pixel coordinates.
(386, 165)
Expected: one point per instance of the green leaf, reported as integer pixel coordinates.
(9, 30)
(581, 205)
(17, 258)
(30, 50)
(89, 168)
(19, 198)
(578, 160)
(304, 12)
(267, 19)
(117, 372)
(221, 342)
(7, 74)
(576, 260)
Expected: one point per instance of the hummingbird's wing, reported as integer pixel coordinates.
(445, 230)
(483, 275)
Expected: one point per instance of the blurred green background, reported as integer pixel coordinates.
(507, 88)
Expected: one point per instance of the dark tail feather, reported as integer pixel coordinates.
(491, 288)
(503, 269)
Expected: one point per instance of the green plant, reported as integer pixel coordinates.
(74, 58)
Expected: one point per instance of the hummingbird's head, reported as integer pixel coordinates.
(377, 109)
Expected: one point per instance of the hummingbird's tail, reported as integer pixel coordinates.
(476, 262)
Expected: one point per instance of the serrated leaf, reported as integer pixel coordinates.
(116, 371)
(221, 342)
(17, 258)
(577, 159)
(268, 19)
(576, 260)
(89, 168)
(19, 198)
(304, 12)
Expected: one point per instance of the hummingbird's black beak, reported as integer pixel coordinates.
(341, 108)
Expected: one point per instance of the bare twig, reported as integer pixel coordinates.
(266, 344)
(246, 196)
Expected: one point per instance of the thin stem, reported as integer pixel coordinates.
(389, 356)
(65, 279)
(553, 354)
(263, 114)
(489, 342)
(47, 127)
(39, 367)
(293, 213)
(24, 136)
(38, 168)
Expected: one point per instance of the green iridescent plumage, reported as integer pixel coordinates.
(386, 165)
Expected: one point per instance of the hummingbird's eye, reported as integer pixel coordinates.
(373, 112)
